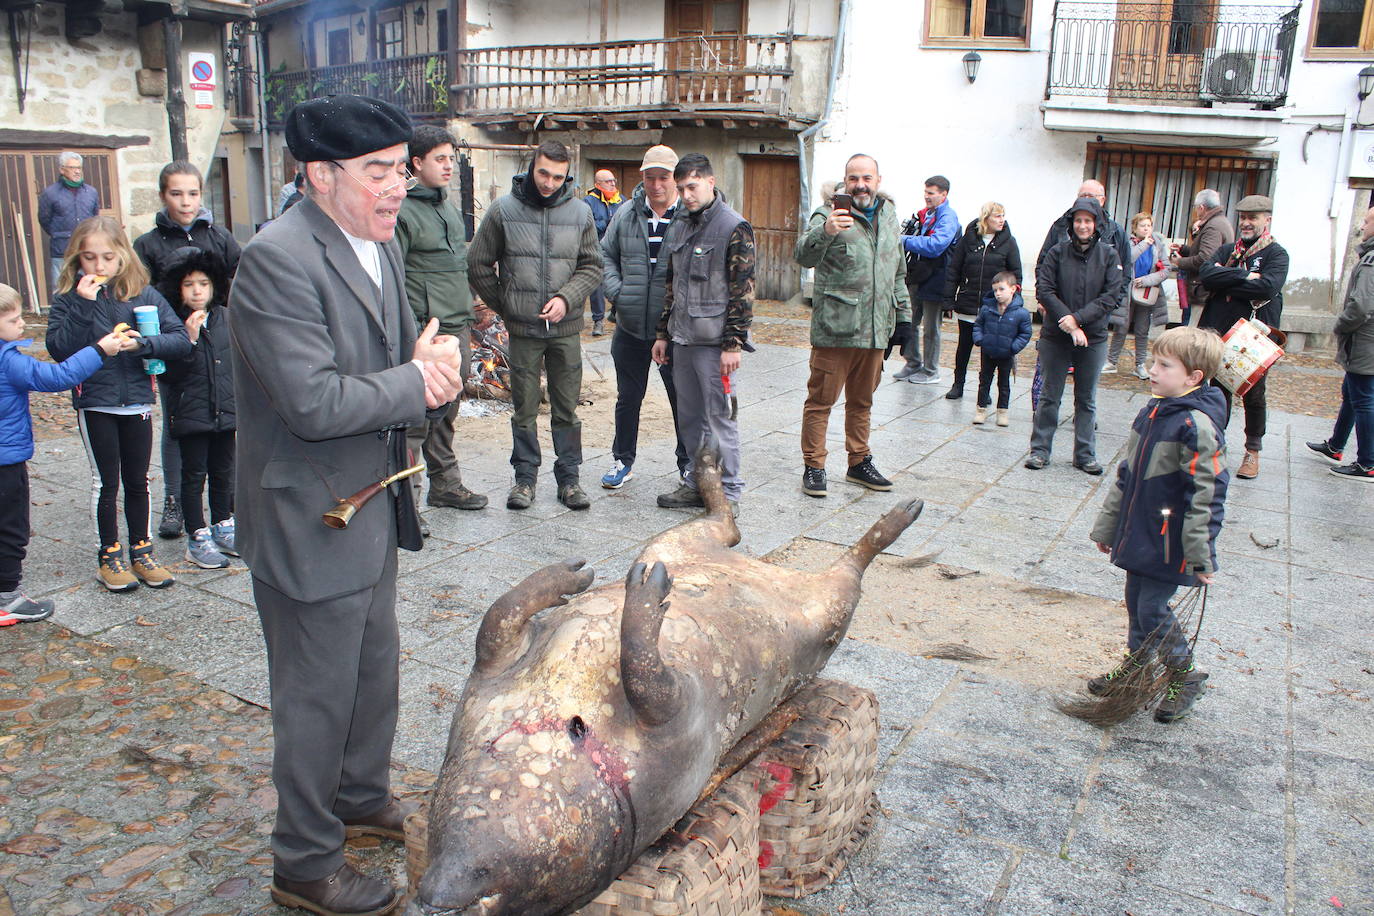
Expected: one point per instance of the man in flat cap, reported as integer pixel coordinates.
(1246, 280)
(328, 373)
(534, 260)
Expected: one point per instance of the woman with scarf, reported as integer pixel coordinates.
(1146, 303)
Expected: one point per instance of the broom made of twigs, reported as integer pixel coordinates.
(1145, 684)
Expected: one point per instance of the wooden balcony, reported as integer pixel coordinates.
(418, 83)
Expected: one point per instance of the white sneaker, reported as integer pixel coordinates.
(1109, 369)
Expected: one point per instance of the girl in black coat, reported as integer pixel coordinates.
(986, 248)
(199, 404)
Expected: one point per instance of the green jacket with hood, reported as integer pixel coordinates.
(860, 287)
(434, 245)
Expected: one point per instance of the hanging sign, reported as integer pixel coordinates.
(203, 77)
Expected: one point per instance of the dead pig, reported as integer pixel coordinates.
(589, 726)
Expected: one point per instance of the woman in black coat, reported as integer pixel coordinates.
(986, 248)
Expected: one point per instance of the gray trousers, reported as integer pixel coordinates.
(928, 313)
(333, 669)
(1055, 358)
(433, 439)
(1136, 321)
(561, 360)
(703, 413)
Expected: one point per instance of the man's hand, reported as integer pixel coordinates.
(1173, 257)
(194, 322)
(433, 347)
(1104, 548)
(902, 335)
(554, 310)
(660, 352)
(1080, 339)
(729, 361)
(838, 221)
(443, 383)
(1252, 275)
(1206, 578)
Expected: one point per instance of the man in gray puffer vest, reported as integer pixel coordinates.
(534, 261)
(708, 306)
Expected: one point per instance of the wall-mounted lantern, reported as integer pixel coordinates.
(971, 61)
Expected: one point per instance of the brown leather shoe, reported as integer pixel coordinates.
(344, 893)
(1249, 466)
(387, 823)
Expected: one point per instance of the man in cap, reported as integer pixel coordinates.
(1244, 280)
(328, 373)
(1079, 284)
(634, 281)
(534, 261)
(860, 306)
(604, 199)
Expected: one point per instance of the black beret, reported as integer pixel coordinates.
(344, 127)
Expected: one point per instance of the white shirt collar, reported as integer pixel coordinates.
(369, 255)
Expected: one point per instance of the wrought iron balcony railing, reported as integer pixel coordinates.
(418, 83)
(1188, 52)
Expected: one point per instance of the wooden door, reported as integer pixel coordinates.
(1158, 49)
(707, 41)
(771, 190)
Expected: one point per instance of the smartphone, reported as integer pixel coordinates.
(843, 202)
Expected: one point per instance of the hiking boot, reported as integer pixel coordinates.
(866, 475)
(905, 373)
(1185, 686)
(388, 823)
(113, 572)
(173, 521)
(684, 497)
(1249, 466)
(17, 607)
(1353, 471)
(344, 892)
(813, 482)
(980, 416)
(1090, 467)
(598, 327)
(1324, 449)
(955, 393)
(460, 497)
(146, 567)
(573, 496)
(521, 496)
(1103, 684)
(1036, 462)
(615, 478)
(1003, 416)
(223, 535)
(201, 550)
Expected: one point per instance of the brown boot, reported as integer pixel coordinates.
(389, 822)
(146, 567)
(112, 571)
(1249, 466)
(344, 893)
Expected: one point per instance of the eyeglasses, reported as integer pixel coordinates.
(406, 183)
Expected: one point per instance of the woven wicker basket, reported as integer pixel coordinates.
(815, 786)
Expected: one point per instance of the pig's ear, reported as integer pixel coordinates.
(504, 624)
(653, 688)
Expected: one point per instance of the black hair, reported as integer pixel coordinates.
(186, 260)
(553, 151)
(693, 164)
(426, 138)
(938, 181)
(179, 167)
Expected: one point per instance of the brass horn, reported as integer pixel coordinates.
(343, 513)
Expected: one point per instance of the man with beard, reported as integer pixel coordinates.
(860, 306)
(534, 261)
(1243, 281)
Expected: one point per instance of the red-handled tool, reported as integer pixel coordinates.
(734, 402)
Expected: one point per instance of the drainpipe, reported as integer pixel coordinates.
(269, 197)
(811, 131)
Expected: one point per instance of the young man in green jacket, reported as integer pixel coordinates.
(433, 241)
(860, 306)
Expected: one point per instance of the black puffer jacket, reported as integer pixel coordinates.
(156, 246)
(75, 322)
(198, 391)
(1086, 284)
(973, 264)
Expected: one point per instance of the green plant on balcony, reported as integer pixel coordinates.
(437, 83)
(286, 90)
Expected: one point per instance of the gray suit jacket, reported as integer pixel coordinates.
(319, 377)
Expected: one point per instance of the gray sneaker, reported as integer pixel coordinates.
(223, 533)
(17, 607)
(925, 378)
(201, 550)
(905, 373)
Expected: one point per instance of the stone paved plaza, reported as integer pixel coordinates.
(1262, 802)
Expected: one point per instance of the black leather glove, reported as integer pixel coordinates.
(901, 336)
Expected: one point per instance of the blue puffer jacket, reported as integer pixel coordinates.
(20, 374)
(1002, 334)
(61, 209)
(75, 322)
(1162, 517)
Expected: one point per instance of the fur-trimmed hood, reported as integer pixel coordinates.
(185, 260)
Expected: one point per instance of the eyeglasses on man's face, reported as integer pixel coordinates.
(405, 184)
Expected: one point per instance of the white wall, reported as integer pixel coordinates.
(915, 111)
(527, 22)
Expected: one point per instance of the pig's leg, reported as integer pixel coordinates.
(721, 520)
(504, 623)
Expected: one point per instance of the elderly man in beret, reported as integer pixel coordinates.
(1245, 280)
(329, 372)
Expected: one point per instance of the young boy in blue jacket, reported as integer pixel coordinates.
(1001, 330)
(20, 374)
(1160, 522)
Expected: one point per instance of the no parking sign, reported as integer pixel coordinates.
(202, 70)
